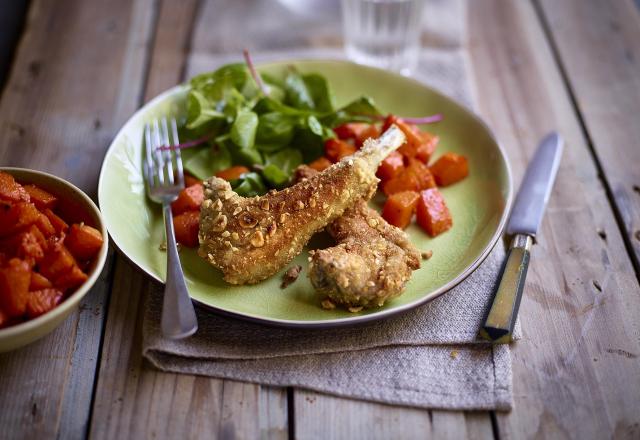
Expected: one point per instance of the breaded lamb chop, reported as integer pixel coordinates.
(371, 262)
(250, 239)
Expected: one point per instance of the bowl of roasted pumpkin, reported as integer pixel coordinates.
(53, 246)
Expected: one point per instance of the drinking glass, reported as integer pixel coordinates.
(383, 33)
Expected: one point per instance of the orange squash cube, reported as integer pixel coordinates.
(10, 190)
(391, 166)
(350, 130)
(58, 224)
(421, 171)
(41, 198)
(44, 225)
(399, 208)
(320, 164)
(38, 282)
(427, 147)
(335, 149)
(189, 199)
(450, 168)
(41, 301)
(15, 278)
(370, 132)
(232, 173)
(83, 241)
(70, 279)
(432, 213)
(15, 216)
(190, 180)
(57, 261)
(186, 227)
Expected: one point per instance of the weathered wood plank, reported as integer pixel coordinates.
(322, 416)
(599, 48)
(133, 400)
(576, 372)
(57, 113)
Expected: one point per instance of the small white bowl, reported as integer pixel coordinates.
(27, 332)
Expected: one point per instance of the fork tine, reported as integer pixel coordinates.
(149, 168)
(176, 141)
(168, 162)
(157, 143)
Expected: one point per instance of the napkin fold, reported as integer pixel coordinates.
(428, 357)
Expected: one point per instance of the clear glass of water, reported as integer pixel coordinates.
(383, 33)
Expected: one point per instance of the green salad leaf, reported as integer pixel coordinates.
(280, 166)
(273, 130)
(249, 185)
(206, 161)
(243, 129)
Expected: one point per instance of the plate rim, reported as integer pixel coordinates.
(356, 319)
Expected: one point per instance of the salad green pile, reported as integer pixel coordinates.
(270, 130)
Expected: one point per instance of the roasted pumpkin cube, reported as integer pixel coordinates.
(432, 213)
(15, 278)
(25, 245)
(320, 164)
(421, 171)
(189, 199)
(336, 149)
(450, 168)
(38, 281)
(41, 301)
(15, 216)
(427, 147)
(57, 261)
(391, 166)
(399, 208)
(41, 198)
(71, 279)
(190, 180)
(44, 225)
(232, 173)
(350, 130)
(186, 227)
(58, 224)
(83, 241)
(370, 132)
(10, 190)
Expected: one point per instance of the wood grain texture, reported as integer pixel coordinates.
(58, 113)
(329, 417)
(599, 48)
(576, 370)
(133, 400)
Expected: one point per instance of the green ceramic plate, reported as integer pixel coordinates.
(479, 204)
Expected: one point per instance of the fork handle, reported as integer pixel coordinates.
(178, 315)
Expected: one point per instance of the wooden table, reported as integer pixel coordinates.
(82, 67)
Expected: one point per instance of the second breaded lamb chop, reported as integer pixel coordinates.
(371, 262)
(250, 239)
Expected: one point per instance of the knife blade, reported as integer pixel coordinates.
(523, 225)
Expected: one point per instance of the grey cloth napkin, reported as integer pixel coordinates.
(428, 357)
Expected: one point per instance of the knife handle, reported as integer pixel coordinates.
(498, 325)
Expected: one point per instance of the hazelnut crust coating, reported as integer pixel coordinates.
(250, 239)
(371, 263)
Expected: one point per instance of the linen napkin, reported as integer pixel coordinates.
(428, 357)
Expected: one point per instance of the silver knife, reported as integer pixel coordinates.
(523, 225)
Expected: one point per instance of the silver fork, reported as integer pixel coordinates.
(164, 182)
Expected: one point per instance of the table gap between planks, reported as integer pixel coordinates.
(576, 372)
